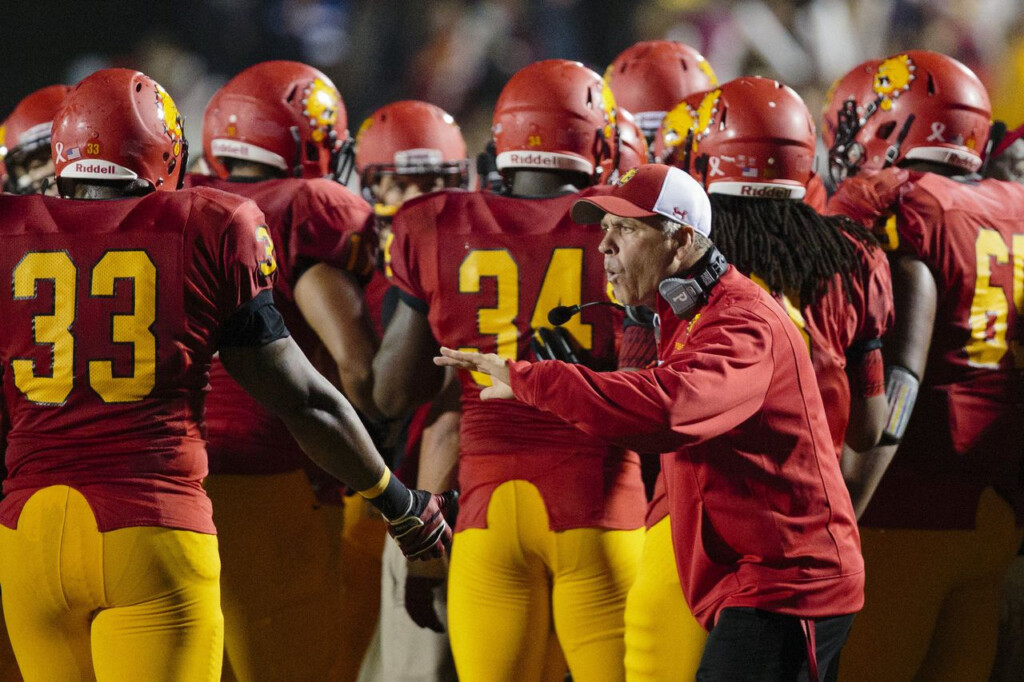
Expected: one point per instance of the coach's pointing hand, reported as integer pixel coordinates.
(489, 364)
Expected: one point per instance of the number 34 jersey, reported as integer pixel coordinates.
(967, 429)
(111, 314)
(486, 269)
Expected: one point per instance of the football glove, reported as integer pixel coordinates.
(869, 198)
(553, 344)
(419, 601)
(423, 532)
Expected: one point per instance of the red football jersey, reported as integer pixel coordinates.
(112, 312)
(310, 221)
(487, 269)
(967, 428)
(839, 320)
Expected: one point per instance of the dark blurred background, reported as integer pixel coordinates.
(458, 53)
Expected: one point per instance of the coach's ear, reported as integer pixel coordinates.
(683, 248)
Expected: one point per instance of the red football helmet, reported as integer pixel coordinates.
(651, 77)
(25, 133)
(411, 138)
(283, 114)
(554, 115)
(629, 149)
(752, 137)
(119, 124)
(918, 106)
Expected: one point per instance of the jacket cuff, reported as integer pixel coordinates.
(524, 378)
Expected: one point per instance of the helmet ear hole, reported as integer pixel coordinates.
(885, 130)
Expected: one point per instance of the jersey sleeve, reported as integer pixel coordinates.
(918, 215)
(245, 258)
(408, 251)
(679, 403)
(336, 227)
(874, 296)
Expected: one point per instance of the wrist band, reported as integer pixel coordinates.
(377, 489)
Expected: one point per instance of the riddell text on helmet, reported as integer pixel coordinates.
(96, 168)
(766, 192)
(229, 148)
(535, 159)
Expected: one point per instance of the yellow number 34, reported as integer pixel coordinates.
(54, 329)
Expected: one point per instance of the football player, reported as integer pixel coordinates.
(25, 143)
(945, 521)
(276, 133)
(552, 527)
(403, 150)
(119, 295)
(751, 143)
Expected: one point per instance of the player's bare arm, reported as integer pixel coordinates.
(326, 426)
(404, 377)
(333, 305)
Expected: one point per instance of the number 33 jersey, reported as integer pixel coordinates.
(486, 269)
(967, 429)
(111, 314)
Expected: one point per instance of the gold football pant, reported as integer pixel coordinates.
(361, 551)
(130, 604)
(510, 581)
(664, 642)
(281, 580)
(931, 600)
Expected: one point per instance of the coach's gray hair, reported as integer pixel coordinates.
(669, 227)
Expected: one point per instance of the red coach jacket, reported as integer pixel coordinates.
(760, 514)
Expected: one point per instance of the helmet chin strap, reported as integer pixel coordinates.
(297, 166)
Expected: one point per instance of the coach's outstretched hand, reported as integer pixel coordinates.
(424, 531)
(489, 364)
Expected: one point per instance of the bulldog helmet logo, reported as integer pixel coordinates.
(320, 104)
(893, 76)
(171, 119)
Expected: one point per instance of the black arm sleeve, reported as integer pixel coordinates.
(417, 304)
(254, 324)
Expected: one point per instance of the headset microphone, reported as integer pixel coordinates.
(559, 315)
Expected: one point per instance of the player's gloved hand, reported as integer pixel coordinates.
(423, 531)
(869, 197)
(422, 582)
(553, 344)
(419, 601)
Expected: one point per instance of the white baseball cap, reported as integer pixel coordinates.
(651, 189)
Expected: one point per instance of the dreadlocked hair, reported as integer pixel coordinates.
(788, 244)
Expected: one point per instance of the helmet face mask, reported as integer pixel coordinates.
(30, 171)
(25, 142)
(284, 115)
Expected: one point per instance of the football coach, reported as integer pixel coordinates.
(763, 530)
